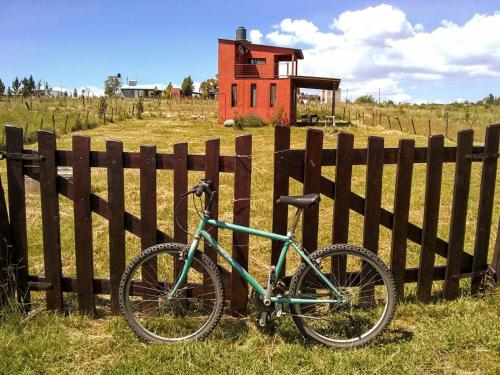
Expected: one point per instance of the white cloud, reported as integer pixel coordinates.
(379, 46)
(256, 36)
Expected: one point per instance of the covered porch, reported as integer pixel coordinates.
(308, 82)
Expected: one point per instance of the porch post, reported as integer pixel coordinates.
(333, 100)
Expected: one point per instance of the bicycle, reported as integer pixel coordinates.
(172, 292)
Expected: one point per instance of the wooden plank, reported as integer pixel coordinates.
(431, 217)
(312, 184)
(241, 216)
(485, 210)
(342, 194)
(402, 196)
(180, 187)
(83, 224)
(212, 153)
(280, 187)
(6, 292)
(148, 212)
(17, 212)
(458, 214)
(116, 209)
(51, 230)
(373, 194)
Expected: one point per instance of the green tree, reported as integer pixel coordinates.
(2, 88)
(102, 106)
(16, 86)
(111, 85)
(365, 99)
(9, 92)
(25, 88)
(75, 93)
(168, 89)
(209, 87)
(187, 86)
(140, 109)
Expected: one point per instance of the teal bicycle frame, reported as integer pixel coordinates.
(287, 241)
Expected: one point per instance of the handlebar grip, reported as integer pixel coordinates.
(199, 190)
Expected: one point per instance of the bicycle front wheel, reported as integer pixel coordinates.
(368, 289)
(190, 314)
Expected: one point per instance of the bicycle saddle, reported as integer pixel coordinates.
(300, 201)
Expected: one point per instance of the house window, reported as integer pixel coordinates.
(272, 96)
(258, 61)
(234, 95)
(253, 95)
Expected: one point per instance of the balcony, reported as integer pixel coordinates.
(279, 70)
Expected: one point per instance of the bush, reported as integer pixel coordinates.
(140, 109)
(101, 108)
(248, 121)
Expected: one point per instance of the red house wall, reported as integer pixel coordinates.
(226, 66)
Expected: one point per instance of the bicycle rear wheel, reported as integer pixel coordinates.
(363, 280)
(190, 314)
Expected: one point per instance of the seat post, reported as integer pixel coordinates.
(295, 222)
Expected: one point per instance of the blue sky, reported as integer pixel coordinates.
(412, 50)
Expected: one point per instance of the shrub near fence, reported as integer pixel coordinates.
(304, 166)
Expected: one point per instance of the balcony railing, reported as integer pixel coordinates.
(278, 70)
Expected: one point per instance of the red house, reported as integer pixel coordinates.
(262, 80)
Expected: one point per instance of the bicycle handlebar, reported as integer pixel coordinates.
(204, 187)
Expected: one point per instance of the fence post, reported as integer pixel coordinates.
(404, 174)
(373, 196)
(495, 264)
(241, 216)
(83, 224)
(458, 214)
(280, 187)
(312, 184)
(17, 211)
(485, 210)
(435, 151)
(50, 219)
(116, 228)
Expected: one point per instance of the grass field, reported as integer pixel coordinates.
(443, 337)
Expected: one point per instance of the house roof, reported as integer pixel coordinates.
(265, 47)
(142, 87)
(322, 83)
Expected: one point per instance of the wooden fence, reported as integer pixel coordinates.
(304, 166)
(42, 167)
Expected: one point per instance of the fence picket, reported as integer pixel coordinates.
(241, 216)
(458, 213)
(50, 219)
(83, 224)
(180, 187)
(373, 193)
(312, 184)
(431, 216)
(280, 187)
(148, 211)
(116, 204)
(212, 153)
(402, 196)
(485, 210)
(341, 208)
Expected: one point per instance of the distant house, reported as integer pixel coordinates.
(53, 92)
(326, 96)
(133, 90)
(175, 93)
